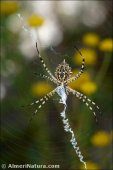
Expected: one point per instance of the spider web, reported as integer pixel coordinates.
(45, 141)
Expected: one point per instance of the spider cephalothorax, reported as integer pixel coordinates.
(63, 72)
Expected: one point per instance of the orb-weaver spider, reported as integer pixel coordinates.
(63, 77)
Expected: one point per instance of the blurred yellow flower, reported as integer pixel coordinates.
(35, 21)
(91, 39)
(101, 139)
(77, 83)
(88, 87)
(89, 55)
(90, 166)
(106, 45)
(41, 88)
(8, 7)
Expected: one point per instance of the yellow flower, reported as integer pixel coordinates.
(83, 78)
(88, 87)
(90, 166)
(35, 21)
(101, 139)
(106, 45)
(89, 55)
(8, 7)
(91, 39)
(41, 88)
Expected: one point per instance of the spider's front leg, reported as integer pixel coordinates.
(88, 102)
(81, 70)
(44, 65)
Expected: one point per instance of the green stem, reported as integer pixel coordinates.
(103, 69)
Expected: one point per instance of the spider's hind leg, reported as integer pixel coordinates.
(88, 102)
(42, 101)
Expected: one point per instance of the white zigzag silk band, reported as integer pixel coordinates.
(62, 93)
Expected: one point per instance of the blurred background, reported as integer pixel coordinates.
(57, 26)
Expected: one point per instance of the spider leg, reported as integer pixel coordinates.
(81, 70)
(88, 102)
(44, 65)
(46, 77)
(42, 101)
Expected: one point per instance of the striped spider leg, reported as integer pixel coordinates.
(44, 65)
(88, 102)
(41, 102)
(81, 70)
(45, 77)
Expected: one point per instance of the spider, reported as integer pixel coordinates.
(63, 77)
